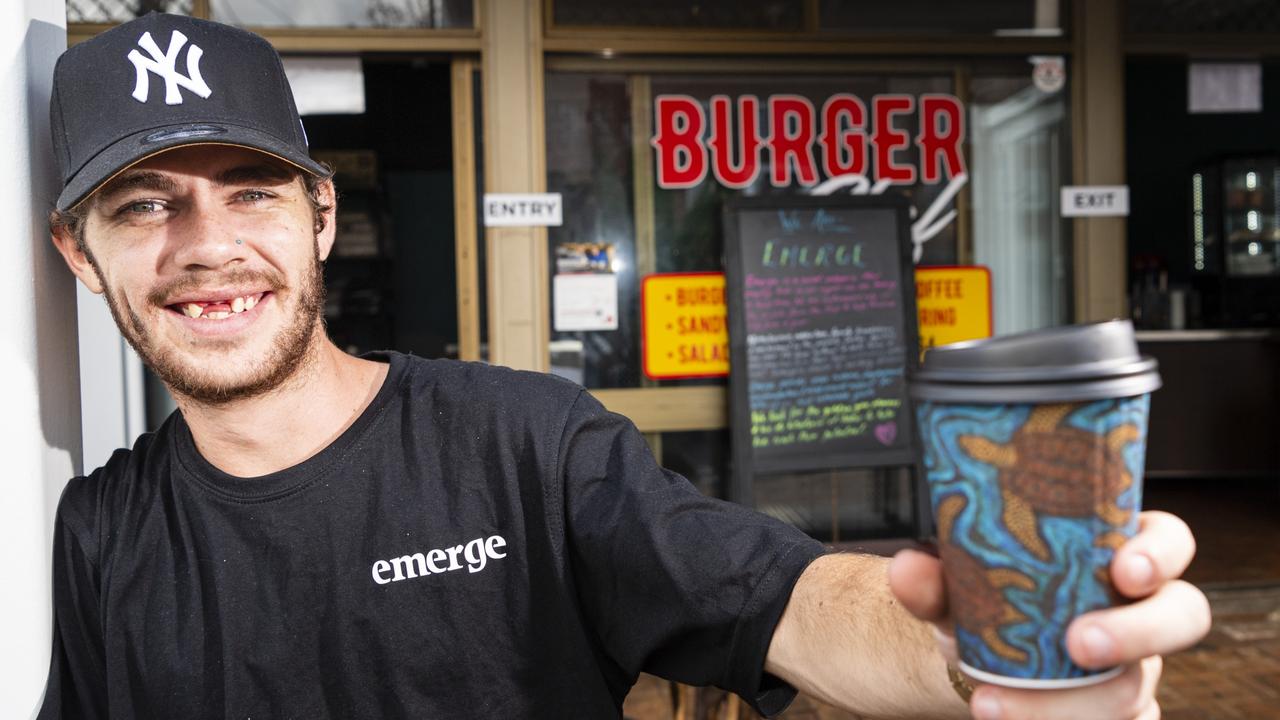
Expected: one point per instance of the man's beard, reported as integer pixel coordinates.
(287, 356)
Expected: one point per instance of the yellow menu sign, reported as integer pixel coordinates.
(684, 325)
(954, 304)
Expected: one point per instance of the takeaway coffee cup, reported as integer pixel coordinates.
(1033, 448)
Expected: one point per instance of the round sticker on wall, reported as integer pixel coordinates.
(1048, 72)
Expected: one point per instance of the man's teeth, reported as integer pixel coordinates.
(237, 305)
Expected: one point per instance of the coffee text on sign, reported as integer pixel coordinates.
(953, 304)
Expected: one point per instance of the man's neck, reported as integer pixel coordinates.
(281, 428)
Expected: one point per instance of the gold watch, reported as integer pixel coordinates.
(960, 683)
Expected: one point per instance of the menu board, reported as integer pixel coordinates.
(822, 334)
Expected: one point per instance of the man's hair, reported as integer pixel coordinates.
(73, 220)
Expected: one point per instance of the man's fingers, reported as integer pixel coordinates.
(1176, 617)
(916, 579)
(1128, 696)
(1159, 552)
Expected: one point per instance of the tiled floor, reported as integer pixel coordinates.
(1234, 674)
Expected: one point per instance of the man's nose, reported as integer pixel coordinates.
(206, 240)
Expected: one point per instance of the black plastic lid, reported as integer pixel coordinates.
(1072, 363)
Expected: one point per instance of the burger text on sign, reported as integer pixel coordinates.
(844, 136)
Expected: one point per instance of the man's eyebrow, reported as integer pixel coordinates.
(138, 180)
(251, 174)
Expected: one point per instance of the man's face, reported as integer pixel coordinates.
(209, 258)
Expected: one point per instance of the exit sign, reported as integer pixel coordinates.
(1095, 201)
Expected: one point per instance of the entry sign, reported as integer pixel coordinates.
(1095, 201)
(685, 332)
(954, 304)
(522, 210)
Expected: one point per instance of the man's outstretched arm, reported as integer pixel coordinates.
(848, 639)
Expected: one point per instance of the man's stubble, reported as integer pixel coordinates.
(289, 353)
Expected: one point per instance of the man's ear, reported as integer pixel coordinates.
(328, 198)
(75, 257)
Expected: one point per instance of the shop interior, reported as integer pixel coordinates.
(1204, 275)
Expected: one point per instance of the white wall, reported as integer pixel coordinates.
(112, 399)
(40, 406)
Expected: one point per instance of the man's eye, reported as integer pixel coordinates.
(255, 195)
(142, 207)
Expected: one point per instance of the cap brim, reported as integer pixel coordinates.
(131, 150)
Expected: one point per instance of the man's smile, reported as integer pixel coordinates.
(216, 305)
(217, 314)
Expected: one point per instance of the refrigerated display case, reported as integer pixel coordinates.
(1237, 201)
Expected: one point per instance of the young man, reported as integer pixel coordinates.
(315, 535)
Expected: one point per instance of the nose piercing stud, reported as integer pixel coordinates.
(239, 241)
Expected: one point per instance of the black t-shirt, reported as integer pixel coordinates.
(480, 543)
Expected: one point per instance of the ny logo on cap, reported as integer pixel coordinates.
(162, 64)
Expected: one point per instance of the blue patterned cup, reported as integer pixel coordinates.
(1033, 449)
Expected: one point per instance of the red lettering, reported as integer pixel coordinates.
(844, 146)
(682, 158)
(747, 147)
(786, 145)
(937, 142)
(887, 139)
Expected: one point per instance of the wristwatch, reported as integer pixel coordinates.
(959, 683)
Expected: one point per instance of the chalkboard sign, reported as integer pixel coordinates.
(822, 328)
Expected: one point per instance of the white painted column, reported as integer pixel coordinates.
(112, 399)
(40, 405)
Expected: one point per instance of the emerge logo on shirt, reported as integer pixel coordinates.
(475, 553)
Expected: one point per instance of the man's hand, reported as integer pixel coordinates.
(1168, 615)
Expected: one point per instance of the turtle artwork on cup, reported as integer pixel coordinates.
(1050, 468)
(981, 607)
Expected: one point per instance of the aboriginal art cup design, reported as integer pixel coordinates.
(1031, 502)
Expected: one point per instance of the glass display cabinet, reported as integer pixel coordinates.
(1238, 201)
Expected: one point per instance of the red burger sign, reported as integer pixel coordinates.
(845, 137)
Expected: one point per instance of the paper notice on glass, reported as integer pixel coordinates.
(326, 85)
(585, 302)
(1224, 87)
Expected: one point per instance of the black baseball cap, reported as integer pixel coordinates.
(163, 81)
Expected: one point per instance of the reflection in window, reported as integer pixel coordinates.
(589, 163)
(1187, 17)
(975, 17)
(345, 13)
(115, 11)
(831, 506)
(1020, 140)
(738, 14)
(702, 457)
(841, 505)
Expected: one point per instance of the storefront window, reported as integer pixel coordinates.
(346, 13)
(672, 222)
(589, 161)
(1188, 17)
(645, 162)
(999, 17)
(118, 11)
(1020, 145)
(736, 14)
